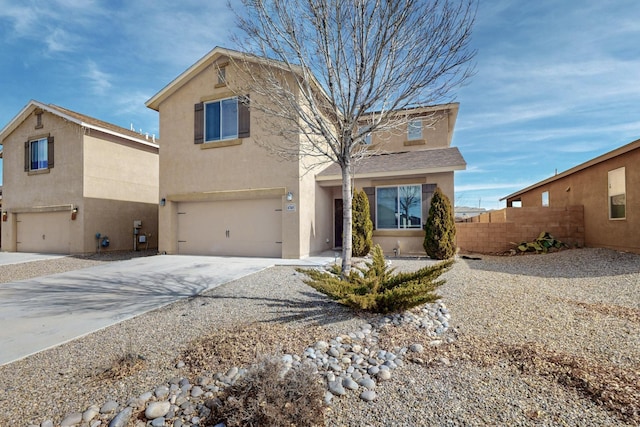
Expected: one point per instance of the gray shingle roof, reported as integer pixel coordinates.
(423, 161)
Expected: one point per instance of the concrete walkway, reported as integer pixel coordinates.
(44, 312)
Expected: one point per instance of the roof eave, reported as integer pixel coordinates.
(602, 158)
(394, 174)
(33, 104)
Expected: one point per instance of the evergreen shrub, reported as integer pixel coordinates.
(375, 287)
(440, 228)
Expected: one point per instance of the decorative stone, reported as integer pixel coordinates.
(90, 413)
(383, 375)
(197, 391)
(350, 383)
(367, 383)
(157, 409)
(416, 348)
(336, 388)
(108, 407)
(71, 420)
(122, 418)
(368, 395)
(321, 345)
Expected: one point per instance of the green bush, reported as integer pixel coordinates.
(544, 243)
(272, 395)
(362, 239)
(375, 287)
(440, 228)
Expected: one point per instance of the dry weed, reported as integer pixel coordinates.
(272, 395)
(242, 344)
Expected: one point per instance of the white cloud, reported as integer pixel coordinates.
(59, 40)
(99, 81)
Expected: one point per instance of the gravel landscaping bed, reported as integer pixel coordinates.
(535, 340)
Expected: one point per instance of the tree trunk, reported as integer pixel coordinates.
(347, 219)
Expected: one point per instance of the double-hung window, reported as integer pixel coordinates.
(399, 207)
(221, 120)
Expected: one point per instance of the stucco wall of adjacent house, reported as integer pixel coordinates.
(228, 166)
(44, 190)
(589, 187)
(117, 169)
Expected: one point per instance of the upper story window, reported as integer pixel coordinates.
(366, 140)
(545, 198)
(414, 130)
(617, 194)
(38, 154)
(220, 120)
(399, 207)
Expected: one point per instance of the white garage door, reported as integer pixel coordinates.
(233, 228)
(44, 232)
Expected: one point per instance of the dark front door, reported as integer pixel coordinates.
(337, 237)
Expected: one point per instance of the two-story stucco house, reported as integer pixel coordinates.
(68, 177)
(222, 193)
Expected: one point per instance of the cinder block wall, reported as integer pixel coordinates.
(496, 231)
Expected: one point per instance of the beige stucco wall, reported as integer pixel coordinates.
(114, 218)
(589, 187)
(230, 166)
(116, 170)
(435, 134)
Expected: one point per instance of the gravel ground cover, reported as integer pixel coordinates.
(536, 340)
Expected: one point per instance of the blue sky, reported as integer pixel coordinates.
(557, 83)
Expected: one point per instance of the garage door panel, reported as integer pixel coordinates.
(44, 232)
(234, 228)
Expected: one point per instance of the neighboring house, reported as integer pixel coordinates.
(68, 177)
(608, 187)
(223, 194)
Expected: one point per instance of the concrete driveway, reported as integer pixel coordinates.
(44, 312)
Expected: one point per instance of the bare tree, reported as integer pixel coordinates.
(335, 71)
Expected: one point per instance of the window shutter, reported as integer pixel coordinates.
(50, 152)
(371, 196)
(243, 117)
(427, 194)
(198, 126)
(26, 156)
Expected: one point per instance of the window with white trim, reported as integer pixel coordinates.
(617, 194)
(399, 207)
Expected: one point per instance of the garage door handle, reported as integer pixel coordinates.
(228, 234)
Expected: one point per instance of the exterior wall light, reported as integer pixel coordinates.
(289, 196)
(4, 216)
(163, 201)
(74, 213)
